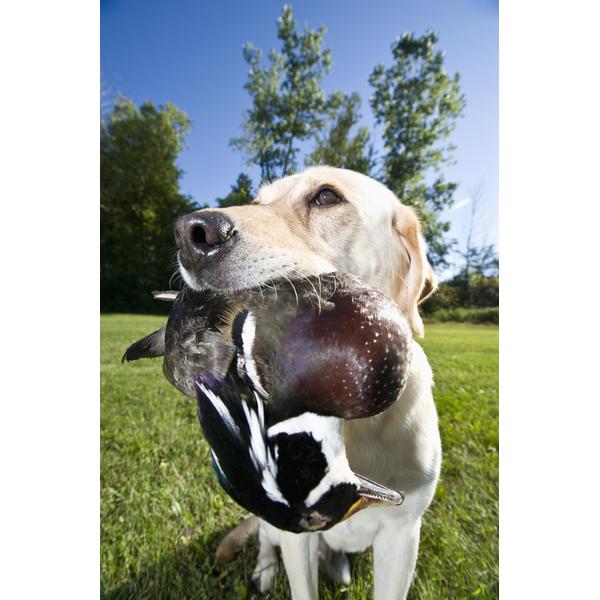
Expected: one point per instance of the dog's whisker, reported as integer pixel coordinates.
(249, 266)
(262, 296)
(175, 277)
(317, 294)
(282, 274)
(273, 287)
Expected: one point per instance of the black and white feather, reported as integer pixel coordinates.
(275, 374)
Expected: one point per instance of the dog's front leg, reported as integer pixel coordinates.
(394, 559)
(266, 567)
(300, 553)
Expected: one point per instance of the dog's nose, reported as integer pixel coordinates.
(202, 233)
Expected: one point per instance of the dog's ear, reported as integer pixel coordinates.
(414, 279)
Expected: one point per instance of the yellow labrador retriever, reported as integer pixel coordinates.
(324, 220)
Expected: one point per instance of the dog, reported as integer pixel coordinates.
(321, 220)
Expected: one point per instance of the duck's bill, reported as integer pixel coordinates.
(372, 493)
(369, 490)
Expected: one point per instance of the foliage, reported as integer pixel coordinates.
(139, 199)
(485, 291)
(415, 100)
(418, 103)
(478, 291)
(480, 260)
(241, 193)
(446, 296)
(163, 512)
(462, 314)
(288, 102)
(335, 144)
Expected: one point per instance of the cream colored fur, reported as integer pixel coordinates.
(372, 235)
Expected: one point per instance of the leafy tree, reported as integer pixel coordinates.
(417, 102)
(479, 291)
(485, 290)
(288, 102)
(480, 260)
(337, 147)
(139, 199)
(241, 193)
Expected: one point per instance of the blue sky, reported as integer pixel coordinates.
(189, 52)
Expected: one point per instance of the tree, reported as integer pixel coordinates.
(418, 103)
(288, 104)
(476, 283)
(241, 193)
(478, 259)
(337, 147)
(139, 198)
(105, 97)
(481, 260)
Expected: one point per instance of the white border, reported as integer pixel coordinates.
(550, 414)
(549, 330)
(49, 237)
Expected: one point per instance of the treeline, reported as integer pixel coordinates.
(473, 300)
(415, 102)
(473, 293)
(139, 200)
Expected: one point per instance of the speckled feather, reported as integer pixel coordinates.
(331, 344)
(273, 372)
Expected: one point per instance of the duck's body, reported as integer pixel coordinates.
(275, 371)
(330, 343)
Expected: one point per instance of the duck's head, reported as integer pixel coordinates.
(295, 473)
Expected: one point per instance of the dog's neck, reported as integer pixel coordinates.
(385, 448)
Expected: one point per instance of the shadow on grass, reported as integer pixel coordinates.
(190, 572)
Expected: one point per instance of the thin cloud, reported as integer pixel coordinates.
(460, 204)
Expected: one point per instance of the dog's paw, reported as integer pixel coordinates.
(264, 575)
(337, 567)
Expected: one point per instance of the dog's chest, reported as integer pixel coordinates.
(358, 532)
(399, 448)
(394, 455)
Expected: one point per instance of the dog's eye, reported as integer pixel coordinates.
(326, 197)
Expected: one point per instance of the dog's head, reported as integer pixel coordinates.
(321, 220)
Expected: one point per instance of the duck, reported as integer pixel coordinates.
(275, 372)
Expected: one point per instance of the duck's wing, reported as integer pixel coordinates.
(193, 342)
(243, 333)
(233, 423)
(151, 346)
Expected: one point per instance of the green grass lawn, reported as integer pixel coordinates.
(163, 512)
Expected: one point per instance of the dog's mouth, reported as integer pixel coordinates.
(242, 277)
(235, 273)
(216, 252)
(207, 279)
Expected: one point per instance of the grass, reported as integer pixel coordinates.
(163, 513)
